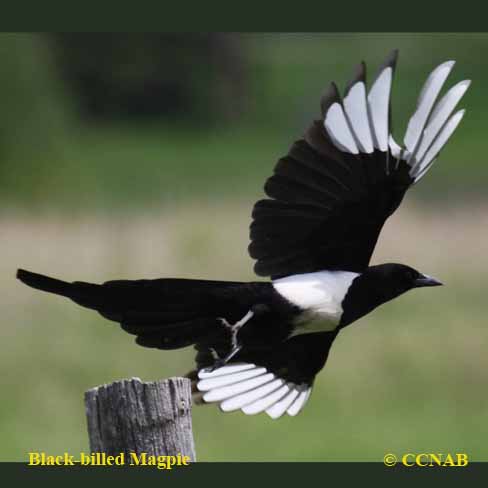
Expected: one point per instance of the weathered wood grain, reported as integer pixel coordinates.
(134, 416)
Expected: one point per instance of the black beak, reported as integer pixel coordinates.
(426, 280)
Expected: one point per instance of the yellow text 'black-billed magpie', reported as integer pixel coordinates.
(260, 344)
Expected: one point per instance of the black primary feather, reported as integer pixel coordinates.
(327, 206)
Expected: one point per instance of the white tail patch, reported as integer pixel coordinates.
(279, 408)
(261, 404)
(230, 391)
(224, 380)
(239, 401)
(361, 122)
(252, 389)
(297, 405)
(227, 369)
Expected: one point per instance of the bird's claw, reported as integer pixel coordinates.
(218, 363)
(235, 346)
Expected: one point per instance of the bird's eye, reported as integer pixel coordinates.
(410, 275)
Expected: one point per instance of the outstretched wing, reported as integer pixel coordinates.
(275, 380)
(332, 193)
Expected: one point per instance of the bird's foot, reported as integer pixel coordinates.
(219, 362)
(234, 330)
(235, 346)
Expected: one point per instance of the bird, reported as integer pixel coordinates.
(259, 345)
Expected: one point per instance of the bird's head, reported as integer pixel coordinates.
(392, 279)
(380, 284)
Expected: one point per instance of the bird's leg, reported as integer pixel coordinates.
(235, 346)
(234, 328)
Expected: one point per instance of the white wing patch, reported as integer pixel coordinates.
(252, 389)
(395, 149)
(440, 141)
(425, 102)
(338, 129)
(379, 102)
(361, 122)
(439, 116)
(357, 114)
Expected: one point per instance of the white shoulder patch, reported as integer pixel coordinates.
(319, 294)
(252, 389)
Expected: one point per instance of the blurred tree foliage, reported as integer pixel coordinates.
(49, 80)
(128, 120)
(189, 76)
(35, 109)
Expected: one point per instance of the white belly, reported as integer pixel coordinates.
(319, 295)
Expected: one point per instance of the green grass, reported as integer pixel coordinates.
(411, 377)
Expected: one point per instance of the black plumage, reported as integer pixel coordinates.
(339, 202)
(260, 344)
(171, 313)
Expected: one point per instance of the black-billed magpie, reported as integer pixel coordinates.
(260, 344)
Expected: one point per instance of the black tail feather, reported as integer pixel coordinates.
(165, 313)
(44, 283)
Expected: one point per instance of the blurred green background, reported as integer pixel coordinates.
(129, 156)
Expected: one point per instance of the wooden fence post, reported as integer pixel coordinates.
(133, 416)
